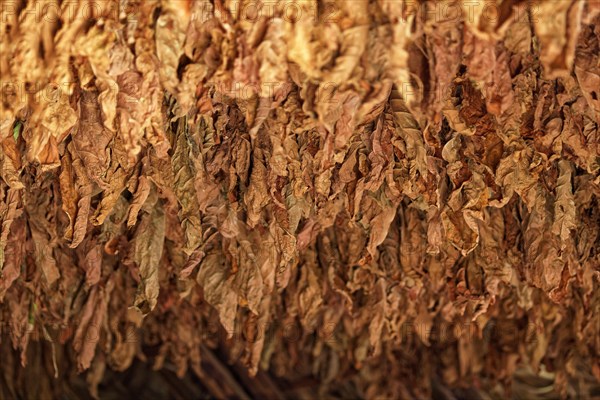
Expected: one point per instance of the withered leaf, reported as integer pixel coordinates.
(148, 249)
(373, 199)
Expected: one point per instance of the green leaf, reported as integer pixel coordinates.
(17, 130)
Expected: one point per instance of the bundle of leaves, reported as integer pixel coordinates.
(364, 198)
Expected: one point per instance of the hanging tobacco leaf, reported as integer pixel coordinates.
(299, 199)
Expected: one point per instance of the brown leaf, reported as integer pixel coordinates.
(148, 250)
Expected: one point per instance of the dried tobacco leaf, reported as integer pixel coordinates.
(148, 249)
(341, 199)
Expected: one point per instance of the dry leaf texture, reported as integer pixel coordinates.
(365, 194)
